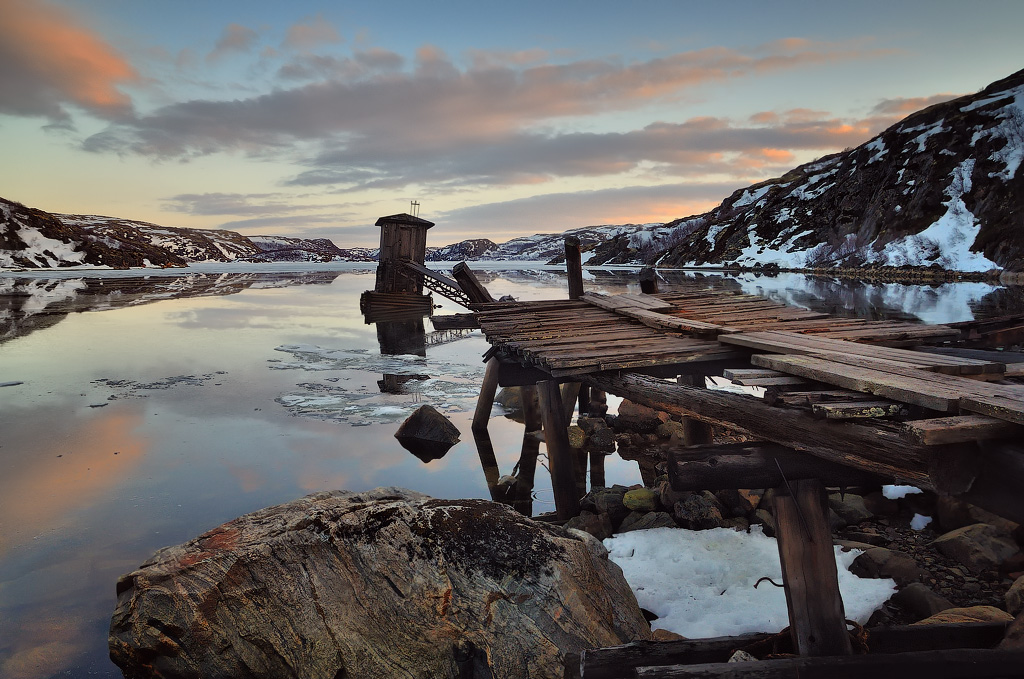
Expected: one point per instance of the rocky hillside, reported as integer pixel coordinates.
(31, 238)
(940, 188)
(543, 247)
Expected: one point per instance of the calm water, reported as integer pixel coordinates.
(153, 408)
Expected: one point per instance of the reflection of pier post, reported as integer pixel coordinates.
(397, 338)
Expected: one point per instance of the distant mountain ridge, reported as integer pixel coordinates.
(942, 188)
(32, 238)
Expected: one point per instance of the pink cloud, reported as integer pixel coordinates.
(305, 36)
(49, 60)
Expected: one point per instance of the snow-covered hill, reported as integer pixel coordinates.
(942, 188)
(31, 238)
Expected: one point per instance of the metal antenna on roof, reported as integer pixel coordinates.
(414, 208)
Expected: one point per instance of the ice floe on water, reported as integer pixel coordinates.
(403, 383)
(701, 583)
(131, 388)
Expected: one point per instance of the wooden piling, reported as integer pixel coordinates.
(485, 401)
(695, 432)
(648, 281)
(570, 393)
(574, 266)
(563, 474)
(817, 621)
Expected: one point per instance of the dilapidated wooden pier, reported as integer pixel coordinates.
(839, 401)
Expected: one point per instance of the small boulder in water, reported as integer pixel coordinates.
(427, 434)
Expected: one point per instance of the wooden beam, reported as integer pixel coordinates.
(817, 620)
(960, 429)
(974, 663)
(485, 401)
(563, 473)
(574, 267)
(619, 662)
(470, 284)
(530, 450)
(754, 465)
(863, 446)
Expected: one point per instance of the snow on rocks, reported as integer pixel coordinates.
(701, 583)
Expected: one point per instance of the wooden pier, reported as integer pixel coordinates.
(842, 399)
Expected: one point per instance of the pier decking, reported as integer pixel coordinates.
(843, 400)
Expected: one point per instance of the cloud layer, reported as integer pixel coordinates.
(48, 61)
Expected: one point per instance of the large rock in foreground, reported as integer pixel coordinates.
(377, 584)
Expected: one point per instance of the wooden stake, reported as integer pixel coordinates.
(563, 476)
(486, 399)
(570, 392)
(574, 267)
(817, 620)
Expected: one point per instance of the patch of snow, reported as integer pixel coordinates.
(700, 584)
(878, 146)
(1011, 129)
(895, 492)
(929, 131)
(712, 234)
(920, 521)
(783, 254)
(948, 240)
(750, 196)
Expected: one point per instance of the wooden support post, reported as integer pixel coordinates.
(530, 450)
(570, 392)
(470, 285)
(583, 400)
(648, 281)
(598, 406)
(485, 401)
(817, 621)
(574, 267)
(489, 463)
(597, 469)
(563, 476)
(695, 432)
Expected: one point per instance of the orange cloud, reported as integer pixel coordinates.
(48, 60)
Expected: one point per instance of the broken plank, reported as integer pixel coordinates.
(740, 373)
(959, 429)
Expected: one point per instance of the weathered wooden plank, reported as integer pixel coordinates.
(574, 266)
(941, 664)
(785, 380)
(868, 445)
(741, 373)
(858, 410)
(486, 399)
(896, 387)
(754, 465)
(817, 619)
(619, 662)
(471, 285)
(960, 429)
(1001, 406)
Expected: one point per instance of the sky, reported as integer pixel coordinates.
(313, 119)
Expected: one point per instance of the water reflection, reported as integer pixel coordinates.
(237, 391)
(28, 304)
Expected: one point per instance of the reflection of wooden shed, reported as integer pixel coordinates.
(403, 238)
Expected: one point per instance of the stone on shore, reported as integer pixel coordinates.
(967, 614)
(374, 584)
(879, 562)
(978, 546)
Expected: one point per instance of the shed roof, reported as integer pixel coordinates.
(404, 218)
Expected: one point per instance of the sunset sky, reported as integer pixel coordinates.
(502, 119)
